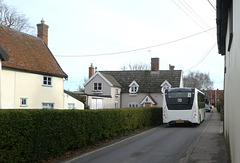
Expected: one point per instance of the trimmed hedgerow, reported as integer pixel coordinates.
(37, 135)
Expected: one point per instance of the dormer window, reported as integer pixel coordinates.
(165, 85)
(133, 87)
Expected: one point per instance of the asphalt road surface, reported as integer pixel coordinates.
(163, 144)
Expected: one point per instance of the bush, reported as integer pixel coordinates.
(37, 135)
(16, 135)
(220, 106)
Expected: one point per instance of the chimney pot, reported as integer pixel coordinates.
(43, 31)
(42, 21)
(154, 64)
(171, 67)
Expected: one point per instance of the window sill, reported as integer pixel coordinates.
(23, 105)
(132, 94)
(47, 85)
(97, 92)
(117, 95)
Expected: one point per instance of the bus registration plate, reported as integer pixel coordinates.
(179, 121)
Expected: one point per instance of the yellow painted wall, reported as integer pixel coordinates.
(17, 84)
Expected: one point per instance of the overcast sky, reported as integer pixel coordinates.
(179, 32)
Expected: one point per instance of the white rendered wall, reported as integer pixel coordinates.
(232, 87)
(69, 99)
(16, 85)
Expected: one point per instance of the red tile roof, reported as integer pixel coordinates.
(28, 53)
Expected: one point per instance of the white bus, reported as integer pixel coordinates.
(183, 105)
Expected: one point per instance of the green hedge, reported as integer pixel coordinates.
(37, 135)
(220, 109)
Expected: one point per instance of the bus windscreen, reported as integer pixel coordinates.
(179, 100)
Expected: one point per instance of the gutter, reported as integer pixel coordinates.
(222, 21)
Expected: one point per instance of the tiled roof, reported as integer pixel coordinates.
(77, 96)
(28, 53)
(149, 81)
(112, 80)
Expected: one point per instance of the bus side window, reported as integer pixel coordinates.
(201, 100)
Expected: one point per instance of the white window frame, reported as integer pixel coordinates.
(71, 106)
(23, 102)
(48, 105)
(117, 92)
(97, 87)
(133, 87)
(48, 81)
(116, 104)
(133, 105)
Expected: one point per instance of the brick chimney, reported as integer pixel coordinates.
(154, 64)
(43, 31)
(171, 67)
(91, 71)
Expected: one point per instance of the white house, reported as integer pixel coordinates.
(3, 57)
(123, 89)
(31, 78)
(73, 100)
(102, 93)
(228, 37)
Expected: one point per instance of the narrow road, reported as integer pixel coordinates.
(163, 144)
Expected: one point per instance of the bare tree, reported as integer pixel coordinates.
(81, 87)
(136, 67)
(9, 17)
(198, 80)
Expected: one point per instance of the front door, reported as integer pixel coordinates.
(148, 105)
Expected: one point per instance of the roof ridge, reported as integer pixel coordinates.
(14, 30)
